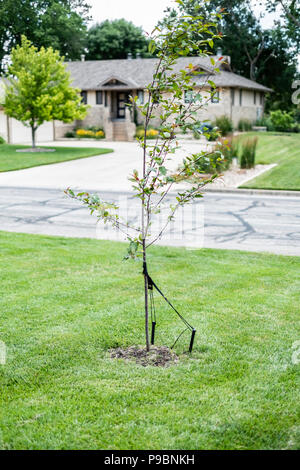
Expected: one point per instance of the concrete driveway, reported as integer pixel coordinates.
(107, 172)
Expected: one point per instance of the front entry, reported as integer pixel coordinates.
(122, 99)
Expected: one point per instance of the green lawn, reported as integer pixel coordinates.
(65, 302)
(283, 149)
(11, 160)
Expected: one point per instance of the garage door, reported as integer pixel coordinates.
(21, 134)
(3, 125)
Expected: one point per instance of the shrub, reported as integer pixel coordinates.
(261, 122)
(213, 136)
(70, 134)
(224, 124)
(2, 141)
(248, 153)
(296, 128)
(85, 133)
(100, 135)
(151, 133)
(207, 129)
(91, 133)
(269, 124)
(231, 150)
(244, 125)
(221, 157)
(297, 115)
(281, 121)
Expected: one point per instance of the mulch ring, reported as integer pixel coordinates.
(158, 356)
(35, 150)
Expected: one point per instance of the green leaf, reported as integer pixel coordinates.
(163, 170)
(152, 47)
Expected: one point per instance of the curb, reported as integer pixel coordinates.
(250, 192)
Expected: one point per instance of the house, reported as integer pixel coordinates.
(107, 84)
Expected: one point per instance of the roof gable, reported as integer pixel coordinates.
(113, 82)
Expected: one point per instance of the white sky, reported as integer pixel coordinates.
(145, 13)
(141, 12)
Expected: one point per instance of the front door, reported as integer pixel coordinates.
(121, 104)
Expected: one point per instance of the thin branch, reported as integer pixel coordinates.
(289, 14)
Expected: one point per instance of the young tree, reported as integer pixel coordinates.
(115, 39)
(39, 88)
(166, 98)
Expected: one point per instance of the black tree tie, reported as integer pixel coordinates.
(188, 326)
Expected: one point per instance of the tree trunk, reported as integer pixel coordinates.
(33, 131)
(146, 299)
(252, 71)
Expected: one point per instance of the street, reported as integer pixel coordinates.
(227, 221)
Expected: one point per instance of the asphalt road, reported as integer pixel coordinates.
(229, 221)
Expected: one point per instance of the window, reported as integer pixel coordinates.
(188, 96)
(254, 97)
(232, 96)
(215, 97)
(105, 99)
(241, 97)
(99, 97)
(261, 98)
(140, 94)
(84, 97)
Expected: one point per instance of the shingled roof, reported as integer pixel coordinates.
(137, 74)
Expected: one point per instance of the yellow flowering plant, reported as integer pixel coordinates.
(90, 134)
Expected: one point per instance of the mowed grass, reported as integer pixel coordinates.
(11, 160)
(283, 149)
(66, 302)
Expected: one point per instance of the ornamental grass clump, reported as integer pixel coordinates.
(224, 125)
(244, 125)
(248, 153)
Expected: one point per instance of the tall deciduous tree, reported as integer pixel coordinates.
(60, 24)
(39, 88)
(290, 13)
(243, 38)
(264, 55)
(115, 40)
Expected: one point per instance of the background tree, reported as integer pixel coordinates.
(242, 35)
(290, 14)
(156, 181)
(60, 24)
(39, 88)
(115, 39)
(264, 55)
